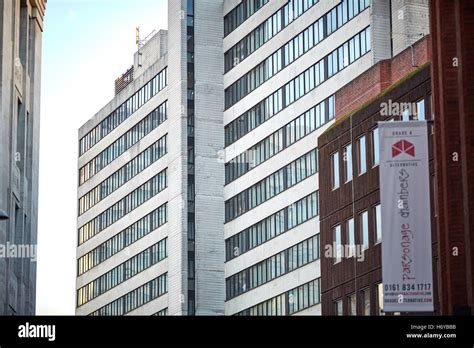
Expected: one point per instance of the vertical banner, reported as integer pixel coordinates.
(406, 219)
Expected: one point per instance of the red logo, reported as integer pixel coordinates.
(403, 146)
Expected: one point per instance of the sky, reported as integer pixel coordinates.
(87, 44)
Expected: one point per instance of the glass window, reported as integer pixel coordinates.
(357, 47)
(364, 229)
(375, 147)
(367, 38)
(335, 170)
(351, 50)
(351, 299)
(337, 243)
(287, 54)
(333, 20)
(378, 223)
(350, 236)
(363, 43)
(331, 108)
(406, 114)
(356, 7)
(340, 53)
(330, 66)
(379, 288)
(365, 295)
(346, 54)
(338, 307)
(348, 162)
(344, 11)
(334, 61)
(420, 110)
(362, 158)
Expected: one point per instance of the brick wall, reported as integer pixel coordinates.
(380, 76)
(452, 35)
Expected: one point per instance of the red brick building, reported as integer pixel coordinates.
(452, 28)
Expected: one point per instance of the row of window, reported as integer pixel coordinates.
(284, 262)
(124, 206)
(123, 112)
(139, 163)
(272, 226)
(344, 12)
(364, 303)
(123, 239)
(241, 13)
(122, 272)
(122, 144)
(291, 51)
(349, 52)
(360, 156)
(303, 125)
(281, 180)
(295, 300)
(265, 31)
(304, 296)
(136, 298)
(162, 313)
(291, 92)
(363, 233)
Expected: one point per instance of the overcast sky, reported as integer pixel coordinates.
(87, 44)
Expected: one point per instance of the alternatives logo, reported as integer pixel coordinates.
(403, 146)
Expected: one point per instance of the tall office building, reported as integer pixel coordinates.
(198, 184)
(150, 190)
(21, 27)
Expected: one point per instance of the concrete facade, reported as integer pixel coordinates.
(310, 271)
(168, 49)
(21, 27)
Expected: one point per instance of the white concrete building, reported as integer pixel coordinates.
(198, 184)
(150, 185)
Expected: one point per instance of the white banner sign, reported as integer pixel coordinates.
(406, 219)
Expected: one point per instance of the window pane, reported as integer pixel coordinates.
(335, 170)
(362, 156)
(348, 163)
(420, 109)
(352, 304)
(338, 307)
(380, 299)
(350, 236)
(364, 228)
(337, 243)
(378, 223)
(366, 301)
(375, 147)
